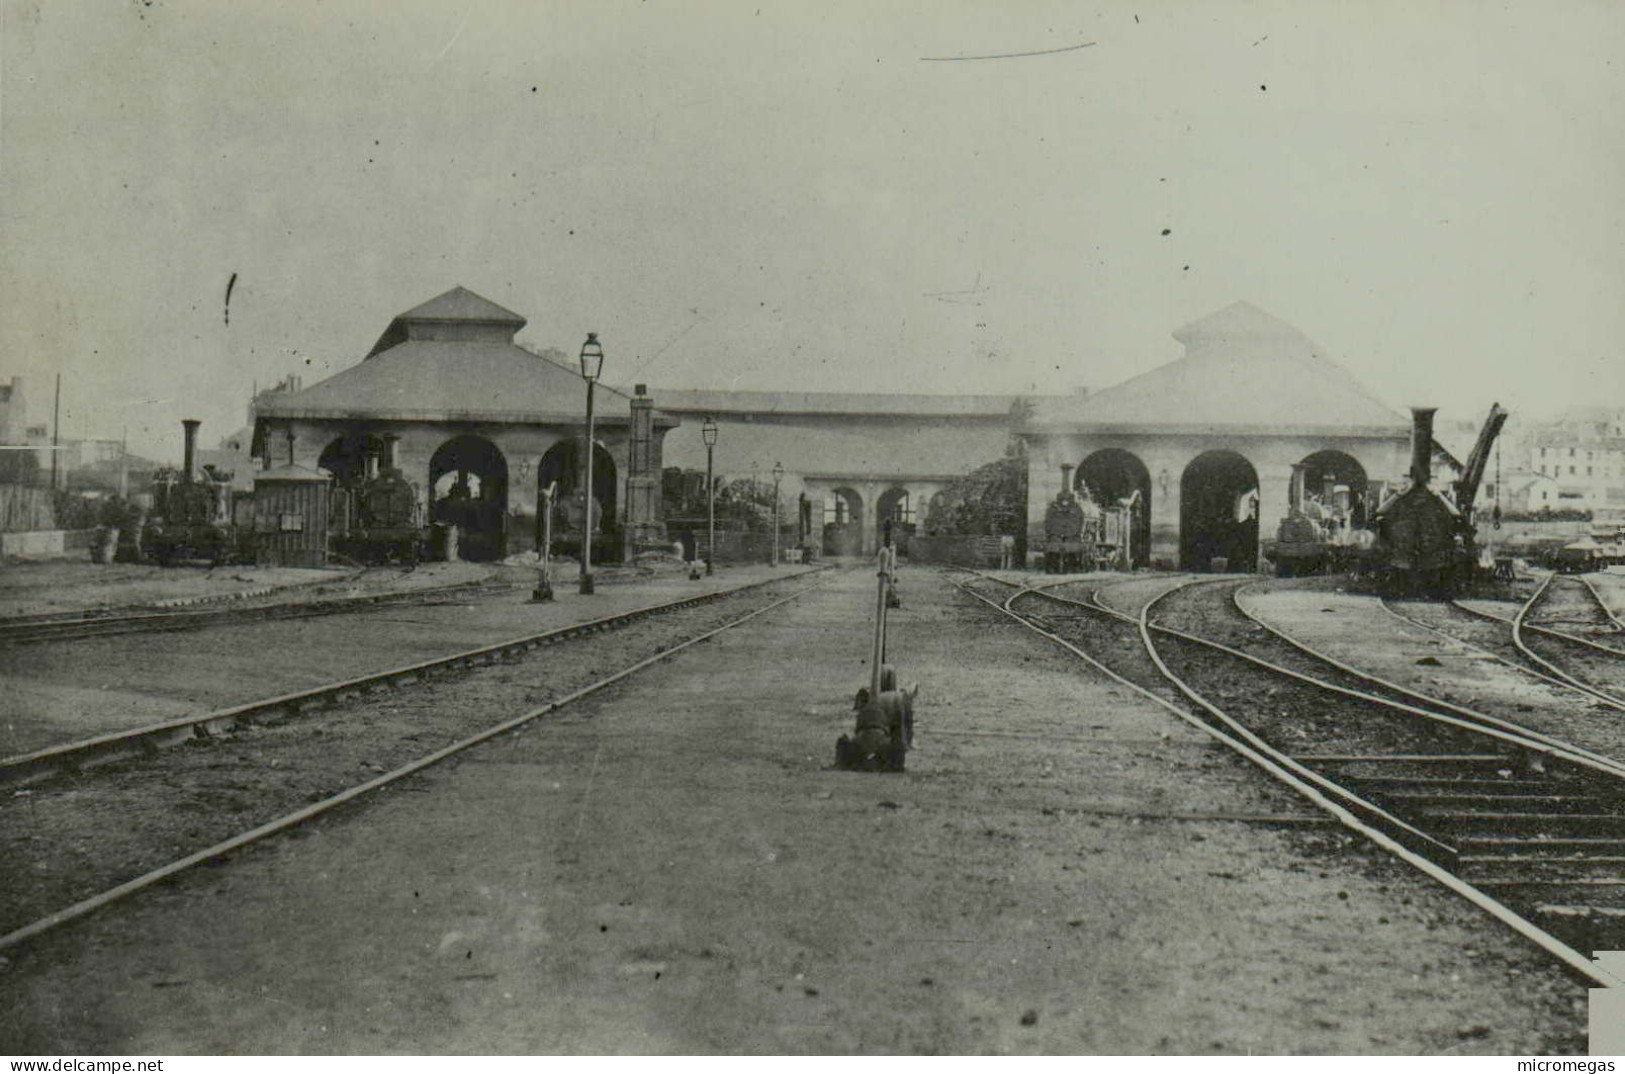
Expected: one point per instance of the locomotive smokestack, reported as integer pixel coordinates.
(189, 465)
(391, 446)
(1066, 478)
(1294, 495)
(1422, 445)
(372, 464)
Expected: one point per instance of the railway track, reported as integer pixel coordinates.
(479, 725)
(1528, 828)
(74, 627)
(85, 754)
(1508, 642)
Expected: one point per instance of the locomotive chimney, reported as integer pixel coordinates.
(391, 446)
(372, 464)
(1422, 445)
(1294, 495)
(189, 465)
(1066, 478)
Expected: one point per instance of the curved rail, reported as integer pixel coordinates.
(1579, 753)
(1533, 672)
(1523, 647)
(1497, 909)
(1539, 628)
(1342, 814)
(119, 745)
(145, 880)
(1603, 604)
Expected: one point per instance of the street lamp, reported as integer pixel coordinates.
(708, 433)
(592, 364)
(778, 475)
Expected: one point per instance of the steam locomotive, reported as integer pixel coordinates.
(1426, 540)
(191, 515)
(1080, 535)
(377, 519)
(1318, 533)
(374, 519)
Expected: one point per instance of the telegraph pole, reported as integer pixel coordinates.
(56, 422)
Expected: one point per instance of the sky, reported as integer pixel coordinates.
(809, 196)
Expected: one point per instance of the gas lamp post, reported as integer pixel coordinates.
(592, 364)
(708, 433)
(778, 475)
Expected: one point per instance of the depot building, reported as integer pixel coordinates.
(1208, 441)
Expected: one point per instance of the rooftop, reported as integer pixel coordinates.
(451, 358)
(702, 401)
(1242, 369)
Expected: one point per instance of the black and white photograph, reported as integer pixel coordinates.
(644, 528)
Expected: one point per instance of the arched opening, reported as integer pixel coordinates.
(468, 483)
(894, 518)
(1111, 477)
(1218, 514)
(346, 457)
(1336, 482)
(843, 523)
(563, 464)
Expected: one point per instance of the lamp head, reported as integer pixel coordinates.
(708, 432)
(592, 358)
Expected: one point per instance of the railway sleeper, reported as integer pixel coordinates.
(1554, 824)
(1463, 784)
(1532, 802)
(1485, 869)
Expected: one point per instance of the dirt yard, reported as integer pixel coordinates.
(674, 867)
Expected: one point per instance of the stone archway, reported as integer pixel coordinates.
(894, 509)
(1326, 470)
(1218, 513)
(468, 488)
(562, 464)
(843, 522)
(345, 457)
(1111, 477)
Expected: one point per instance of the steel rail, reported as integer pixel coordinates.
(1532, 672)
(1539, 628)
(119, 745)
(1603, 604)
(299, 816)
(1246, 735)
(1456, 715)
(1578, 753)
(1575, 960)
(1551, 944)
(1577, 683)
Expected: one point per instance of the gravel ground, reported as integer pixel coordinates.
(676, 870)
(1132, 595)
(1357, 630)
(65, 691)
(1568, 605)
(1610, 586)
(28, 588)
(70, 838)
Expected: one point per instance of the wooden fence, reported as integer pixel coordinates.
(24, 508)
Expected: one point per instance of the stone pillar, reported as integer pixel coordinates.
(1274, 500)
(641, 513)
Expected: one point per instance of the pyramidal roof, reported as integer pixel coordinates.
(452, 358)
(1242, 370)
(461, 304)
(457, 314)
